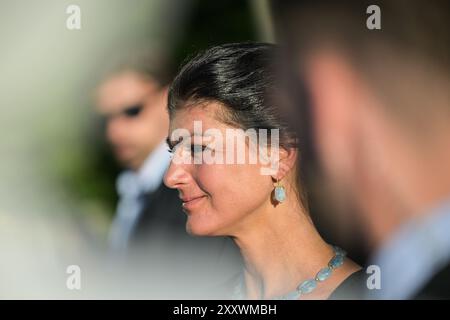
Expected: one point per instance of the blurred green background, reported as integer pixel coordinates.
(55, 160)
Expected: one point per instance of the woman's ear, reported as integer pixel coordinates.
(287, 160)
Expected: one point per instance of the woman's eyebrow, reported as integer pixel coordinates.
(172, 143)
(169, 143)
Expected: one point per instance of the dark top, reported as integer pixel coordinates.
(352, 288)
(355, 288)
(438, 287)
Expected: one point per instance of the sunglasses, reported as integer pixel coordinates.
(132, 111)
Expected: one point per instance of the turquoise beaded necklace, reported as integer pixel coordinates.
(306, 286)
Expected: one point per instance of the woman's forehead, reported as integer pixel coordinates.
(208, 114)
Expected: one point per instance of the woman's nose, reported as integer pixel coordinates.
(176, 176)
(116, 130)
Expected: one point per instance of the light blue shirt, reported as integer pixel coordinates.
(131, 186)
(414, 255)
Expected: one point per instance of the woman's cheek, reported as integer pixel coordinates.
(209, 177)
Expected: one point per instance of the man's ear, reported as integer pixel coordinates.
(287, 161)
(162, 98)
(164, 93)
(336, 100)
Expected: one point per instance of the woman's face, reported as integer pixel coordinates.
(219, 199)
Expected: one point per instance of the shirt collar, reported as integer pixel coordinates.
(148, 177)
(413, 254)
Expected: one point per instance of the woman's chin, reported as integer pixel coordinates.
(196, 228)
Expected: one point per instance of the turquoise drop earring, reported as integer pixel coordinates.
(279, 192)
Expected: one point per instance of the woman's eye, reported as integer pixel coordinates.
(197, 148)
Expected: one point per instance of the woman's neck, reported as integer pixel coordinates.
(281, 247)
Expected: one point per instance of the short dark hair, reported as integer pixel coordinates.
(407, 26)
(242, 78)
(414, 35)
(148, 62)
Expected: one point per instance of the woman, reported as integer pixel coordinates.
(222, 90)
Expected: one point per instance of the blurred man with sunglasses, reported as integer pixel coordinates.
(133, 101)
(148, 236)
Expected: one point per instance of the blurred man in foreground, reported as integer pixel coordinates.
(377, 110)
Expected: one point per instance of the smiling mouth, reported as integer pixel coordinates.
(191, 203)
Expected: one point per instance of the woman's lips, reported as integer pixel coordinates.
(191, 203)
